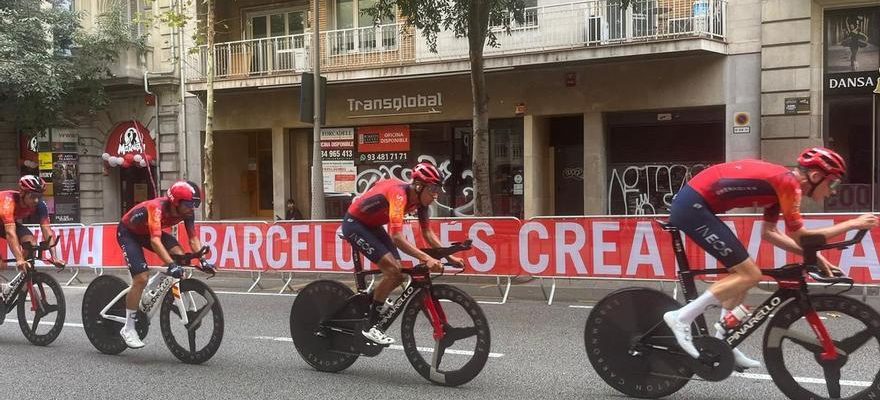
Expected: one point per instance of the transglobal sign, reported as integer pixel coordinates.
(396, 103)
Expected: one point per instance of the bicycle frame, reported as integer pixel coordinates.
(24, 278)
(168, 283)
(420, 280)
(792, 285)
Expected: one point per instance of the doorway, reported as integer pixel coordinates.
(567, 142)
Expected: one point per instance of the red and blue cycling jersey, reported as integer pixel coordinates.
(12, 210)
(387, 203)
(148, 218)
(752, 183)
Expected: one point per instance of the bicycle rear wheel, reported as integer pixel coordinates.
(102, 332)
(610, 334)
(202, 310)
(42, 324)
(792, 350)
(316, 346)
(465, 327)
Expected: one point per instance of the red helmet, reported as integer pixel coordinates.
(823, 159)
(428, 173)
(185, 191)
(31, 183)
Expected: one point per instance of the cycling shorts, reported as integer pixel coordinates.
(133, 246)
(374, 243)
(20, 230)
(691, 215)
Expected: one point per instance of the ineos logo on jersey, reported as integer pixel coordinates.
(714, 241)
(362, 244)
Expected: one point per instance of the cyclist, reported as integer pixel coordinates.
(18, 205)
(748, 183)
(386, 203)
(141, 227)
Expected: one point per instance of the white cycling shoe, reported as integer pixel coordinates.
(682, 333)
(377, 336)
(131, 338)
(743, 361)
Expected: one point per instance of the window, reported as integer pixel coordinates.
(135, 11)
(530, 18)
(357, 31)
(281, 39)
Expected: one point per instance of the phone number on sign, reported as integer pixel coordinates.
(383, 157)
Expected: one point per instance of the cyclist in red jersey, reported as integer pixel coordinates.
(751, 183)
(16, 205)
(386, 203)
(140, 228)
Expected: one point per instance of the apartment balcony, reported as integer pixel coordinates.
(552, 33)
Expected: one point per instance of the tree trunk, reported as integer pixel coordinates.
(209, 115)
(477, 30)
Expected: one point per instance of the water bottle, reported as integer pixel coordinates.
(735, 316)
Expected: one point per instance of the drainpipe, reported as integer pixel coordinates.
(181, 121)
(158, 140)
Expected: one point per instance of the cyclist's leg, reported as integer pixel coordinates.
(691, 215)
(133, 250)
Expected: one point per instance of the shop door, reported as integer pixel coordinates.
(135, 187)
(567, 139)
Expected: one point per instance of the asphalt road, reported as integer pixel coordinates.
(538, 353)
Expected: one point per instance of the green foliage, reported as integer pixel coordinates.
(50, 67)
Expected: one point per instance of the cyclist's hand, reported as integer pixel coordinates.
(174, 270)
(434, 265)
(455, 260)
(865, 221)
(22, 265)
(207, 267)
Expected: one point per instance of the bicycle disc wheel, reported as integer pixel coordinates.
(792, 351)
(202, 311)
(462, 353)
(42, 324)
(611, 329)
(317, 300)
(104, 333)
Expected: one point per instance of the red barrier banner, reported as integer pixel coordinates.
(611, 247)
(639, 248)
(316, 246)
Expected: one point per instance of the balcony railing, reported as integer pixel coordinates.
(546, 28)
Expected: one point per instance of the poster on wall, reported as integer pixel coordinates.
(65, 181)
(339, 176)
(387, 144)
(852, 50)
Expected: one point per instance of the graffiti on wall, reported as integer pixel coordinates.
(648, 188)
(366, 178)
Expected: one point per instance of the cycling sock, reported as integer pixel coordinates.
(694, 309)
(129, 318)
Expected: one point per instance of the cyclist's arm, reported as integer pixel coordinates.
(12, 241)
(431, 237)
(194, 243)
(49, 236)
(160, 250)
(408, 248)
(770, 233)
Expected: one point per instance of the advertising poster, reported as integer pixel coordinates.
(383, 144)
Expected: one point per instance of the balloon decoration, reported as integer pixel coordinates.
(129, 145)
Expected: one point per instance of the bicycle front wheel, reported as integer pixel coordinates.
(204, 315)
(464, 326)
(792, 350)
(41, 312)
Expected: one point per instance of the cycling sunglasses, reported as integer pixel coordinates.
(194, 203)
(434, 189)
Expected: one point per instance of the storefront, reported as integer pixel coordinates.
(131, 150)
(557, 136)
(851, 63)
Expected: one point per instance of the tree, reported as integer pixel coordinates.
(178, 18)
(471, 19)
(51, 69)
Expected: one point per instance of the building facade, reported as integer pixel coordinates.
(593, 109)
